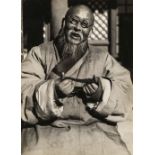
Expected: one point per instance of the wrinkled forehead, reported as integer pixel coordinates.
(82, 12)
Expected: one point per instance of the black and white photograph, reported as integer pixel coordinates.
(77, 77)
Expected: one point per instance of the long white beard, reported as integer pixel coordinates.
(67, 50)
(70, 50)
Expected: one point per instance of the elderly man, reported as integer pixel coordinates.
(76, 98)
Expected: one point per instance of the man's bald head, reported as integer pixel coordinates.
(83, 9)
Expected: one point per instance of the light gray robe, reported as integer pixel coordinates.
(75, 131)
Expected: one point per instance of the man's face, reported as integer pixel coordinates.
(78, 25)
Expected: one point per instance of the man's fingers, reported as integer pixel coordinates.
(95, 86)
(66, 82)
(66, 86)
(86, 90)
(90, 88)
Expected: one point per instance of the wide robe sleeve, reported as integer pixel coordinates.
(116, 101)
(37, 94)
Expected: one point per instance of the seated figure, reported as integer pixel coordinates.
(76, 98)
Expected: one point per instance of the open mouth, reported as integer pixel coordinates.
(75, 36)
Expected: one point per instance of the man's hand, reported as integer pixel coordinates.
(65, 86)
(89, 89)
(93, 91)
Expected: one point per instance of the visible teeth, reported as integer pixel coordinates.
(76, 35)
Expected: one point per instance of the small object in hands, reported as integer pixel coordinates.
(86, 81)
